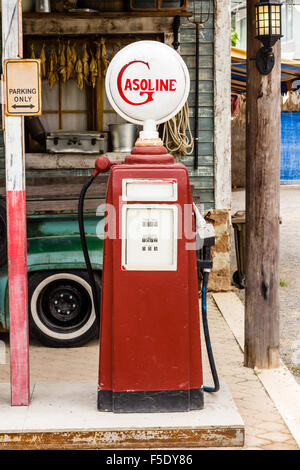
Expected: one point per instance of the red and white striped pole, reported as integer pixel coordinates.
(12, 41)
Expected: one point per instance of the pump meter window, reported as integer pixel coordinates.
(149, 190)
(149, 235)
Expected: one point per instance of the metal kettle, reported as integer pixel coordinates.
(42, 6)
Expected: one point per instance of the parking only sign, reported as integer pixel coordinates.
(22, 79)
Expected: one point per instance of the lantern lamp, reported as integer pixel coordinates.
(268, 31)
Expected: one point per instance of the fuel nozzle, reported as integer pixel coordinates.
(204, 229)
(206, 233)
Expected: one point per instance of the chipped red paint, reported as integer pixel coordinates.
(18, 297)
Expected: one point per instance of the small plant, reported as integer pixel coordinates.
(234, 38)
(282, 283)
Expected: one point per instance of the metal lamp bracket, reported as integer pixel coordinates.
(265, 60)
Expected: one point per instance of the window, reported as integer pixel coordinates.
(288, 20)
(66, 107)
(243, 33)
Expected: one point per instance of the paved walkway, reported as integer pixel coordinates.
(289, 290)
(265, 428)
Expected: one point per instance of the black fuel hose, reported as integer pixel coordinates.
(90, 271)
(216, 388)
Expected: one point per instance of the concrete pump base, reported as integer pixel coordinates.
(65, 416)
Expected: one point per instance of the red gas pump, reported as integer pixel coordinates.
(150, 352)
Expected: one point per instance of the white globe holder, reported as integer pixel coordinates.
(147, 83)
(149, 130)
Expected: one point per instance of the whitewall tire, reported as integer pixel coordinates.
(61, 308)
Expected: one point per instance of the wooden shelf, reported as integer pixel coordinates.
(67, 161)
(108, 14)
(126, 22)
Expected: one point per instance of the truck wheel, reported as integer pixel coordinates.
(3, 233)
(61, 309)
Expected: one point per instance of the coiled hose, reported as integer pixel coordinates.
(210, 355)
(96, 300)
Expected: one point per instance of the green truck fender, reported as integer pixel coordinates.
(64, 252)
(53, 243)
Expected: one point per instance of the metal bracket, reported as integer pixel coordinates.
(265, 60)
(176, 29)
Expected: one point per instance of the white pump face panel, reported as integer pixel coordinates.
(149, 237)
(147, 81)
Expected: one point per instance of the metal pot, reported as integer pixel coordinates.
(42, 6)
(123, 137)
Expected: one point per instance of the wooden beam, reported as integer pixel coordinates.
(109, 14)
(16, 218)
(262, 207)
(54, 24)
(222, 103)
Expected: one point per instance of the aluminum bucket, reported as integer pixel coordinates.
(123, 137)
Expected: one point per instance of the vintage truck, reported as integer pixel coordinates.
(61, 312)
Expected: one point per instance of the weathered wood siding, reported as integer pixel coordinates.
(2, 150)
(203, 178)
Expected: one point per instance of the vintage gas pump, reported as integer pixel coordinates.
(150, 352)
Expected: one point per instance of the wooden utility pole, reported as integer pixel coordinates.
(12, 41)
(262, 206)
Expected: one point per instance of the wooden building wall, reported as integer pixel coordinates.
(2, 150)
(203, 178)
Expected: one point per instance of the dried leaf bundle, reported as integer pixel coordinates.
(43, 61)
(53, 66)
(80, 60)
(79, 73)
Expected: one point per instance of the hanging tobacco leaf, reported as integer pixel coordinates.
(43, 61)
(104, 58)
(93, 70)
(62, 63)
(85, 61)
(53, 74)
(70, 65)
(79, 73)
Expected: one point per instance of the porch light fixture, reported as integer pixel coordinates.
(268, 31)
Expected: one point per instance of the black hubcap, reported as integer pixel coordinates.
(64, 305)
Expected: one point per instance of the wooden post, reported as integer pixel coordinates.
(262, 207)
(16, 218)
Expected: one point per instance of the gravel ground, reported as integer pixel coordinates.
(289, 272)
